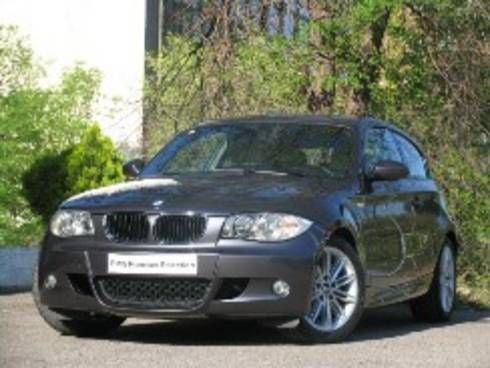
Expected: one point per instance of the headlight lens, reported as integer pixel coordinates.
(265, 226)
(66, 223)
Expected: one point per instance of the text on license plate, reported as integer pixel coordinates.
(159, 264)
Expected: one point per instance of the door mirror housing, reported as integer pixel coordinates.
(387, 170)
(133, 168)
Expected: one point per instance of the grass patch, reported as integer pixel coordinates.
(475, 293)
(20, 245)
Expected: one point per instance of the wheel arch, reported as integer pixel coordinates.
(340, 220)
(453, 238)
(345, 233)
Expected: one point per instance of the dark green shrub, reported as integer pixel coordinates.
(92, 163)
(45, 184)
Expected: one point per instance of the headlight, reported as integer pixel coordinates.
(66, 223)
(264, 226)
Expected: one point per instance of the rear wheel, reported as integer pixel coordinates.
(79, 323)
(437, 305)
(337, 297)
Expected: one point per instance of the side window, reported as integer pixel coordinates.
(412, 158)
(380, 145)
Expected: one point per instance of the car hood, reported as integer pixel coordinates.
(212, 195)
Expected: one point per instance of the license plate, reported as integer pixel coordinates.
(155, 264)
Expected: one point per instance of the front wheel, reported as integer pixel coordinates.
(337, 297)
(437, 305)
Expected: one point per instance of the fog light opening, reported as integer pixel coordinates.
(281, 288)
(50, 282)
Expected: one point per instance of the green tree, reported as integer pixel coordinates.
(34, 121)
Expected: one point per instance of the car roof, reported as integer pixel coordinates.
(287, 119)
(359, 123)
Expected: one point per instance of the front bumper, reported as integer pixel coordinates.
(260, 264)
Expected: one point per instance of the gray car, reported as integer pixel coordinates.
(298, 221)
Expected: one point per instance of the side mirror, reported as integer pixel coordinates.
(133, 168)
(387, 170)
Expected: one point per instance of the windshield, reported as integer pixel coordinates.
(289, 149)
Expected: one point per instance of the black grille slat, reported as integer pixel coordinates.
(148, 293)
(127, 227)
(178, 229)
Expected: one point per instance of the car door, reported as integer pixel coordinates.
(423, 192)
(387, 223)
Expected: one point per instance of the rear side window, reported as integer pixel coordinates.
(379, 146)
(412, 158)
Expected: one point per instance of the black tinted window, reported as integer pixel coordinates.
(411, 157)
(379, 146)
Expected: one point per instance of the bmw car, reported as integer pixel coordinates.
(302, 222)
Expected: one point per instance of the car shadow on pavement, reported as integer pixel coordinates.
(382, 323)
(397, 320)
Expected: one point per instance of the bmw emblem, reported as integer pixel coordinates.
(157, 203)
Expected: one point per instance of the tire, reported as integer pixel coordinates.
(83, 324)
(431, 307)
(314, 327)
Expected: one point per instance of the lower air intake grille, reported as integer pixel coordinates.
(145, 293)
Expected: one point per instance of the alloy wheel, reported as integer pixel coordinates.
(447, 280)
(335, 291)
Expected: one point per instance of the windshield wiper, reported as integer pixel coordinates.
(295, 173)
(241, 170)
(273, 172)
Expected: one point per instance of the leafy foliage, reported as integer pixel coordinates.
(93, 163)
(45, 183)
(188, 84)
(54, 177)
(34, 121)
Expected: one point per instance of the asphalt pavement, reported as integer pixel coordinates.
(386, 338)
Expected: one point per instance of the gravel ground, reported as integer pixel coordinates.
(386, 337)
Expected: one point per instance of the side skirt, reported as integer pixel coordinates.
(377, 297)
